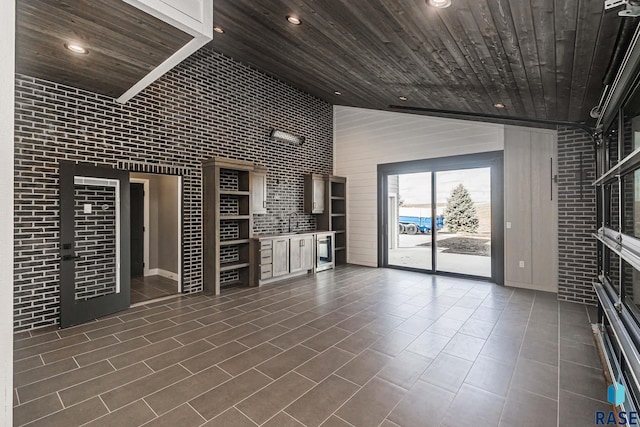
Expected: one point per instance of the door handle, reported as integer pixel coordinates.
(71, 257)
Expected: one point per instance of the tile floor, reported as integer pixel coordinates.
(349, 347)
(151, 287)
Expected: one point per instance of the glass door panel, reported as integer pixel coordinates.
(463, 204)
(409, 220)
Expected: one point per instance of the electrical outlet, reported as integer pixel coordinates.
(521, 264)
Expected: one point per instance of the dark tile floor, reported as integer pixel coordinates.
(349, 347)
(151, 287)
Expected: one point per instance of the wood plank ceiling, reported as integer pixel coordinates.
(124, 43)
(542, 59)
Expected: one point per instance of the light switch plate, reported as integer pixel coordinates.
(508, 224)
(87, 208)
(521, 264)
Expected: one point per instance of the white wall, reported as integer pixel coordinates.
(7, 76)
(365, 138)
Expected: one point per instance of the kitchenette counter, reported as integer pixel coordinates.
(285, 234)
(284, 255)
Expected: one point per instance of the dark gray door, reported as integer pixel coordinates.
(94, 242)
(137, 229)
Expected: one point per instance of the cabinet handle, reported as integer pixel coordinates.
(301, 242)
(264, 203)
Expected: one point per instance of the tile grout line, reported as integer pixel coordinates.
(535, 294)
(558, 383)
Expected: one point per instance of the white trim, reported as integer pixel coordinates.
(179, 279)
(113, 183)
(7, 100)
(145, 183)
(164, 273)
(201, 30)
(161, 69)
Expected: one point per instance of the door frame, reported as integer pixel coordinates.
(145, 183)
(493, 160)
(74, 312)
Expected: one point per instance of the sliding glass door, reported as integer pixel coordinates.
(410, 206)
(440, 215)
(464, 242)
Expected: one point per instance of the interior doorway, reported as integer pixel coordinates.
(156, 236)
(443, 216)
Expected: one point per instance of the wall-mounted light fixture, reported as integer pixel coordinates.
(278, 135)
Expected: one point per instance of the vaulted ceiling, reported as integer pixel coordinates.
(542, 59)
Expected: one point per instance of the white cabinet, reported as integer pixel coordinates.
(314, 188)
(531, 209)
(301, 253)
(259, 190)
(284, 256)
(280, 257)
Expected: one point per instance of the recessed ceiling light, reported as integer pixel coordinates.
(218, 30)
(294, 20)
(76, 48)
(337, 92)
(402, 98)
(440, 4)
(499, 105)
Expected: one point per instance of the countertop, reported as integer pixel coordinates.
(293, 233)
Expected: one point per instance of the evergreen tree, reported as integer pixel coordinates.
(460, 214)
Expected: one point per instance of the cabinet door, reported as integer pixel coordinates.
(318, 196)
(314, 187)
(295, 254)
(259, 193)
(301, 253)
(307, 254)
(280, 257)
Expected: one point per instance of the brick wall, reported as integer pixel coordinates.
(210, 105)
(577, 262)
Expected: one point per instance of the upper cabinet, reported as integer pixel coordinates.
(129, 43)
(259, 190)
(314, 193)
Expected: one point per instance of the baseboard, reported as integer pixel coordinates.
(532, 286)
(164, 273)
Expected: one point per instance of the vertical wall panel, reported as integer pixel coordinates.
(544, 213)
(517, 194)
(366, 138)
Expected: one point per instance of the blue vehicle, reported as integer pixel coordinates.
(419, 224)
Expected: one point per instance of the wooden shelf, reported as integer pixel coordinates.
(341, 248)
(234, 284)
(338, 214)
(235, 265)
(234, 242)
(340, 231)
(337, 198)
(228, 223)
(234, 193)
(233, 217)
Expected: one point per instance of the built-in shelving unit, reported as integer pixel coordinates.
(228, 224)
(334, 217)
